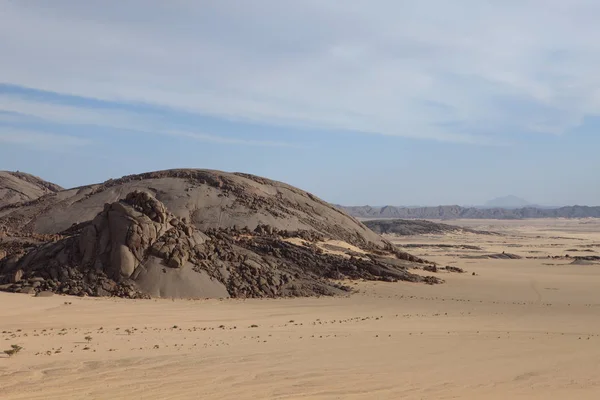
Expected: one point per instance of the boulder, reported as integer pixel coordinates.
(17, 276)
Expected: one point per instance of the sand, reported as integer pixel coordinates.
(519, 329)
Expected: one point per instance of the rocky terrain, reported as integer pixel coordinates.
(191, 234)
(457, 212)
(405, 227)
(16, 187)
(496, 256)
(522, 328)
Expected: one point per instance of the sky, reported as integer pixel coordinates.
(422, 102)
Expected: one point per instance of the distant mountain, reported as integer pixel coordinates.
(507, 202)
(458, 212)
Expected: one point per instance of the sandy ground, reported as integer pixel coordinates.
(519, 329)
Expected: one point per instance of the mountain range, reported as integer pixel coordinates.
(458, 212)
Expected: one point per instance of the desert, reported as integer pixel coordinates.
(524, 327)
(298, 200)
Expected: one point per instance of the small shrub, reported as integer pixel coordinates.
(14, 349)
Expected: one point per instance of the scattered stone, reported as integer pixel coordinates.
(450, 268)
(27, 290)
(430, 268)
(498, 256)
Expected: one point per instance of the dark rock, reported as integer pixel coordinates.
(27, 290)
(102, 292)
(498, 256)
(430, 268)
(17, 276)
(406, 227)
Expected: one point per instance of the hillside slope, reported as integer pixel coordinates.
(205, 198)
(16, 187)
(191, 233)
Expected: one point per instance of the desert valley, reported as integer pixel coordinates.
(200, 284)
(298, 200)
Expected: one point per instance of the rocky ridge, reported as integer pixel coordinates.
(135, 247)
(457, 212)
(17, 187)
(404, 227)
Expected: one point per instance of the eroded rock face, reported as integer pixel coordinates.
(102, 256)
(136, 248)
(119, 238)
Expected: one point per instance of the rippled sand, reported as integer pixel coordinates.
(519, 329)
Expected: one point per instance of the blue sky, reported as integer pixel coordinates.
(374, 102)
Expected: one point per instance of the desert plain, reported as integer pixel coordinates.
(519, 328)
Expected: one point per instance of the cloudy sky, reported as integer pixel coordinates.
(361, 102)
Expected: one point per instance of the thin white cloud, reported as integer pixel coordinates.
(25, 110)
(203, 137)
(43, 140)
(493, 68)
(67, 114)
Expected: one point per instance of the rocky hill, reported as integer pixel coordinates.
(190, 233)
(16, 187)
(457, 212)
(405, 227)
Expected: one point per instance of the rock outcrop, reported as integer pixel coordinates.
(496, 256)
(136, 247)
(404, 227)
